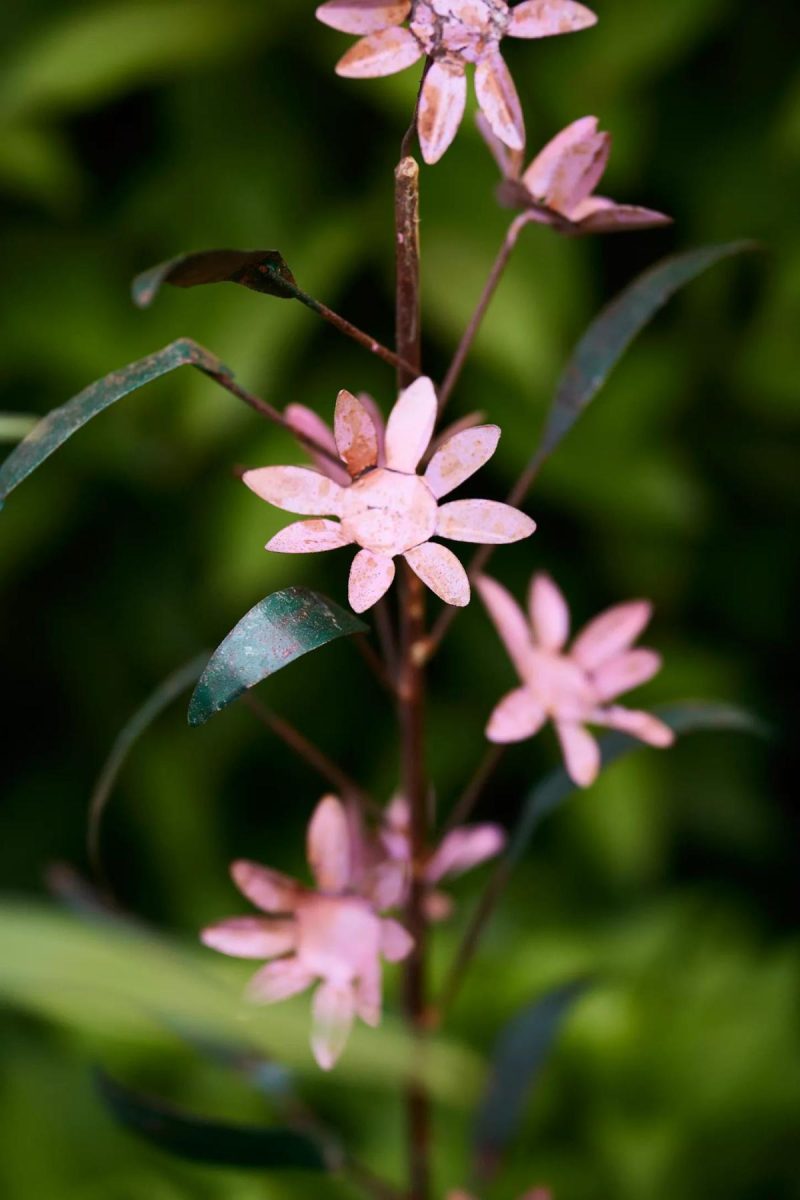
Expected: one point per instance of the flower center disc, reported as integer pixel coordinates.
(559, 685)
(462, 28)
(388, 512)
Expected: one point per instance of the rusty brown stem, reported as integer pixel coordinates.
(472, 792)
(411, 695)
(407, 143)
(355, 334)
(382, 672)
(310, 753)
(490, 287)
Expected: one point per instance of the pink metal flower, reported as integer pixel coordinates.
(460, 850)
(452, 33)
(384, 506)
(332, 933)
(557, 187)
(571, 688)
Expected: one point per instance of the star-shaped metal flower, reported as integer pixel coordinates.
(453, 34)
(388, 509)
(557, 187)
(572, 687)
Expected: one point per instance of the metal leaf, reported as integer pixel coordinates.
(610, 334)
(263, 271)
(692, 716)
(518, 1058)
(207, 1141)
(274, 633)
(59, 425)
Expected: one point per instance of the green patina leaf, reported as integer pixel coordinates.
(274, 633)
(517, 1061)
(610, 334)
(692, 716)
(59, 425)
(264, 271)
(208, 1141)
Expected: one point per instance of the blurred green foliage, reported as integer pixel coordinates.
(133, 130)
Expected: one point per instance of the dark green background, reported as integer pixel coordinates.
(130, 131)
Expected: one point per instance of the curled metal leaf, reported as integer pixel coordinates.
(264, 271)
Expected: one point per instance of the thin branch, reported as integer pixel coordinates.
(357, 335)
(375, 663)
(472, 792)
(475, 321)
(407, 317)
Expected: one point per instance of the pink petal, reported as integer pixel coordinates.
(509, 161)
(570, 167)
(441, 571)
(437, 906)
(441, 107)
(279, 980)
(459, 457)
(308, 537)
(362, 16)
(387, 885)
(598, 215)
(540, 177)
(296, 489)
(549, 613)
(464, 848)
(396, 942)
(379, 423)
(355, 433)
(638, 724)
(626, 671)
(410, 426)
(251, 937)
(581, 752)
(467, 422)
(613, 631)
(485, 521)
(306, 422)
(517, 717)
(509, 621)
(499, 101)
(371, 577)
(268, 890)
(382, 53)
(368, 995)
(332, 1014)
(328, 846)
(543, 18)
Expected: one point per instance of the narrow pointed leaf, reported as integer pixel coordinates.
(264, 271)
(610, 334)
(15, 426)
(208, 1141)
(166, 692)
(517, 1061)
(692, 716)
(274, 633)
(59, 425)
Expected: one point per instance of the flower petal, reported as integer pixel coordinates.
(308, 537)
(499, 101)
(382, 53)
(463, 848)
(549, 613)
(267, 889)
(544, 18)
(437, 906)
(516, 718)
(540, 175)
(363, 16)
(509, 161)
(459, 457)
(569, 168)
(441, 571)
(379, 423)
(371, 577)
(296, 489)
(368, 995)
(279, 980)
(509, 621)
(640, 725)
(332, 1014)
(581, 752)
(355, 434)
(396, 942)
(613, 631)
(599, 215)
(441, 108)
(251, 937)
(386, 886)
(305, 421)
(328, 846)
(485, 521)
(625, 671)
(410, 426)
